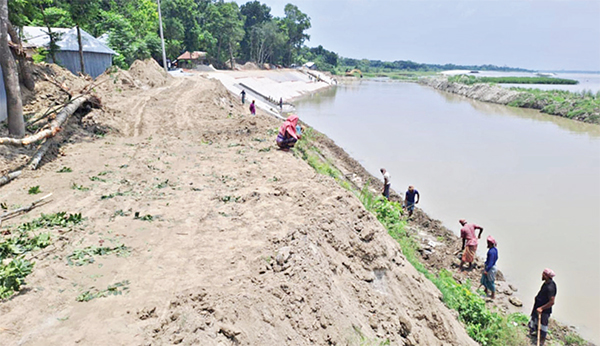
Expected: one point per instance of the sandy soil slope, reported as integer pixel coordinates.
(247, 244)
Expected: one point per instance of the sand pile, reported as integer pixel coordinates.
(249, 66)
(149, 72)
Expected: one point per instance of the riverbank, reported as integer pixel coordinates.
(195, 229)
(581, 107)
(264, 254)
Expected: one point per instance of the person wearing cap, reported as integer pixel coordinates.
(542, 306)
(467, 233)
(488, 277)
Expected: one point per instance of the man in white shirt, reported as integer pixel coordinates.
(386, 183)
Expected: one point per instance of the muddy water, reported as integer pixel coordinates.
(531, 180)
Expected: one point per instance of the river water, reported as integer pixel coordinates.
(530, 179)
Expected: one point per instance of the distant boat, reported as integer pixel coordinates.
(474, 72)
(546, 74)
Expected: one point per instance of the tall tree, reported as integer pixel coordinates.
(296, 23)
(254, 14)
(82, 13)
(224, 22)
(16, 123)
(264, 39)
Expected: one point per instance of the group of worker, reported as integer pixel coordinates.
(252, 107)
(290, 133)
(544, 300)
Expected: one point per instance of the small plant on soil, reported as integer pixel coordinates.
(104, 173)
(19, 241)
(86, 255)
(34, 190)
(95, 178)
(65, 170)
(264, 150)
(114, 289)
(163, 184)
(147, 217)
(79, 187)
(112, 195)
(226, 199)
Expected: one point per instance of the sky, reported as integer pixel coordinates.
(532, 34)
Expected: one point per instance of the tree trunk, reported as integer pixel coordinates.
(231, 58)
(80, 50)
(14, 104)
(24, 69)
(55, 125)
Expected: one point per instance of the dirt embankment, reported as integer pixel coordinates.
(567, 105)
(231, 242)
(480, 91)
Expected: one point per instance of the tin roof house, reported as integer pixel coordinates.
(97, 56)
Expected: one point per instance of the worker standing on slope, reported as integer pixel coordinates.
(409, 199)
(542, 307)
(386, 183)
(243, 93)
(488, 277)
(467, 233)
(253, 108)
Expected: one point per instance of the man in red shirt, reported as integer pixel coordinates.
(467, 233)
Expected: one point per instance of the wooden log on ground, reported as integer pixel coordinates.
(39, 155)
(15, 212)
(55, 125)
(5, 179)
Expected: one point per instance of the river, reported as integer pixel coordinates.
(531, 180)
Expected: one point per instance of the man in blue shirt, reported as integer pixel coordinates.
(488, 277)
(409, 199)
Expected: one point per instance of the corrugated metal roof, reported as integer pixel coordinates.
(192, 56)
(38, 36)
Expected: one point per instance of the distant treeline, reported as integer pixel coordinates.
(510, 80)
(406, 65)
(228, 32)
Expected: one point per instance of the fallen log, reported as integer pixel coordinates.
(55, 125)
(37, 158)
(5, 179)
(15, 212)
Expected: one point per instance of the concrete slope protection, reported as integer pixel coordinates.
(230, 241)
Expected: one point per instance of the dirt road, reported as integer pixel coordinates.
(231, 242)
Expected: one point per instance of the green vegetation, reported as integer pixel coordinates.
(65, 170)
(114, 289)
(21, 240)
(85, 256)
(584, 106)
(469, 80)
(573, 339)
(148, 217)
(360, 339)
(483, 325)
(79, 187)
(34, 190)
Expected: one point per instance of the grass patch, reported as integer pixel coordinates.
(95, 178)
(86, 255)
(79, 187)
(21, 240)
(114, 289)
(464, 79)
(65, 170)
(34, 190)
